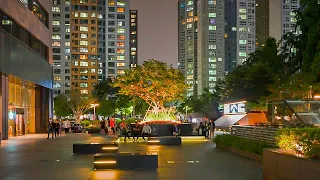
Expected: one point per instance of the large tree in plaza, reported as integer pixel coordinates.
(155, 83)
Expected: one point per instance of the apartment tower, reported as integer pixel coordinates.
(214, 37)
(91, 42)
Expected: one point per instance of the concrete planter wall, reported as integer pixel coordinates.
(252, 156)
(277, 165)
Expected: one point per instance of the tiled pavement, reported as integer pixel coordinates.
(36, 158)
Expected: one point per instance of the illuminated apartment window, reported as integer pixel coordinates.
(133, 24)
(189, 20)
(133, 16)
(56, 9)
(83, 85)
(212, 66)
(120, 64)
(212, 72)
(83, 36)
(121, 30)
(84, 63)
(212, 79)
(190, 3)
(83, 1)
(67, 30)
(120, 10)
(189, 77)
(82, 56)
(120, 71)
(189, 25)
(243, 16)
(83, 43)
(120, 58)
(121, 2)
(84, 91)
(212, 28)
(242, 10)
(93, 70)
(67, 50)
(75, 63)
(84, 28)
(84, 50)
(111, 2)
(133, 20)
(57, 78)
(212, 15)
(83, 70)
(134, 32)
(120, 51)
(55, 23)
(56, 43)
(56, 36)
(212, 46)
(120, 44)
(243, 54)
(190, 13)
(67, 2)
(242, 41)
(121, 37)
(93, 49)
(133, 49)
(93, 14)
(84, 14)
(120, 23)
(133, 53)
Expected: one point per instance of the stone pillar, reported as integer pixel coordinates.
(43, 109)
(4, 85)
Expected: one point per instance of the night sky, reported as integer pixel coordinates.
(157, 30)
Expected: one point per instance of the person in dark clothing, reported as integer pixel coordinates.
(202, 129)
(175, 130)
(56, 126)
(50, 128)
(136, 131)
(103, 127)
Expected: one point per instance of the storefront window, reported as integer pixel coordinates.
(21, 108)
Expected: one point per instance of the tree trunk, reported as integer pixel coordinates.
(133, 107)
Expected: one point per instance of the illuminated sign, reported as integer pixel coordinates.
(11, 115)
(235, 108)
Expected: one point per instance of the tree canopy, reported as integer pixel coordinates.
(154, 82)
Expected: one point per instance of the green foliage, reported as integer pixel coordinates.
(229, 141)
(154, 82)
(304, 141)
(261, 105)
(61, 107)
(105, 108)
(160, 116)
(103, 90)
(85, 123)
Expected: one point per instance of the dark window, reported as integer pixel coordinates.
(56, 29)
(111, 9)
(121, 16)
(56, 50)
(67, 16)
(57, 71)
(67, 71)
(39, 12)
(56, 57)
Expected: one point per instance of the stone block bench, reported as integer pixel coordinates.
(166, 140)
(125, 161)
(94, 148)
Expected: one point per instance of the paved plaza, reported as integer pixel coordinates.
(36, 158)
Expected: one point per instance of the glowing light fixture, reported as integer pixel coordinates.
(109, 148)
(105, 162)
(170, 162)
(153, 141)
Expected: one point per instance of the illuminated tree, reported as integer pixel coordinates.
(155, 83)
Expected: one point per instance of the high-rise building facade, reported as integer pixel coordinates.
(275, 18)
(91, 42)
(133, 38)
(188, 43)
(118, 37)
(214, 37)
(25, 67)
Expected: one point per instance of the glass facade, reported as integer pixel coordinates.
(21, 107)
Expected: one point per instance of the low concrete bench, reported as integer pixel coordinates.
(94, 148)
(166, 140)
(126, 161)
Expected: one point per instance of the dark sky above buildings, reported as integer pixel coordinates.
(157, 30)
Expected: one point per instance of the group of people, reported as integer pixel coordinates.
(54, 128)
(135, 131)
(108, 126)
(207, 129)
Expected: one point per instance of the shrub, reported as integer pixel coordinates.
(229, 141)
(85, 123)
(303, 141)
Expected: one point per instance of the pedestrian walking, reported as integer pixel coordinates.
(112, 125)
(50, 128)
(136, 131)
(66, 126)
(56, 128)
(212, 128)
(146, 131)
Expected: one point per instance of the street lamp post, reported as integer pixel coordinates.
(94, 110)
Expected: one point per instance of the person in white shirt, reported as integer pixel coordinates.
(146, 131)
(66, 126)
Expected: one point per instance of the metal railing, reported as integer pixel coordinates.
(266, 134)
